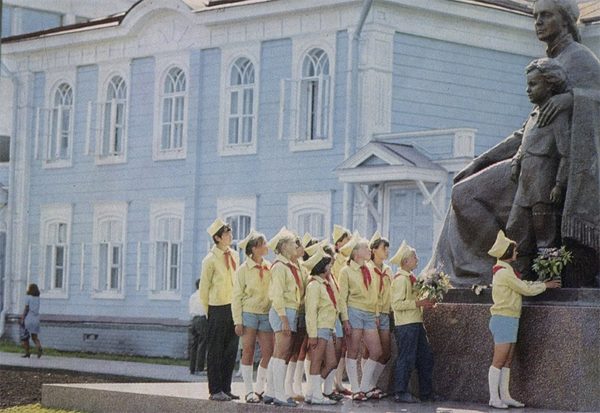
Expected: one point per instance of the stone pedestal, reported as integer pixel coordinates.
(557, 360)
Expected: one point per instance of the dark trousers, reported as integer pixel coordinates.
(413, 351)
(222, 349)
(197, 343)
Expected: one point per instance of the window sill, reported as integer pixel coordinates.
(108, 295)
(239, 149)
(169, 155)
(165, 295)
(314, 145)
(62, 163)
(110, 159)
(54, 294)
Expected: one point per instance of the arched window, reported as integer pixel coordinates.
(60, 124)
(114, 123)
(314, 96)
(173, 110)
(241, 114)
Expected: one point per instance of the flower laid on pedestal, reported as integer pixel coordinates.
(550, 263)
(432, 284)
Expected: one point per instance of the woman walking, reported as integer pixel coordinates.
(30, 320)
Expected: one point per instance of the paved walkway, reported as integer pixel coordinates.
(183, 392)
(119, 368)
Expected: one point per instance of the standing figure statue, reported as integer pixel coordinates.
(484, 193)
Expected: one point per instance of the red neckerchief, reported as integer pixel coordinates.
(413, 279)
(381, 274)
(329, 291)
(366, 275)
(229, 258)
(497, 268)
(261, 270)
(331, 278)
(294, 271)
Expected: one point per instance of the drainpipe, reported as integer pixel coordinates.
(352, 111)
(11, 196)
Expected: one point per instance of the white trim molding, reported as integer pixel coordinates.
(301, 204)
(115, 245)
(55, 222)
(171, 238)
(164, 64)
(229, 55)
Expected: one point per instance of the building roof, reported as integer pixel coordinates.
(590, 13)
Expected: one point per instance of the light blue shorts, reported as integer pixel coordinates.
(325, 333)
(359, 319)
(255, 321)
(339, 331)
(384, 321)
(275, 320)
(504, 329)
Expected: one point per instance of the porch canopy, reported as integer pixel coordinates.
(383, 162)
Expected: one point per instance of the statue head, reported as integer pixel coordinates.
(545, 78)
(555, 18)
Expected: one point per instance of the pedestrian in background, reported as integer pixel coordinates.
(197, 332)
(30, 320)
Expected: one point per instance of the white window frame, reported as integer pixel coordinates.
(291, 93)
(109, 211)
(310, 202)
(45, 124)
(112, 157)
(235, 206)
(164, 210)
(230, 55)
(53, 214)
(165, 65)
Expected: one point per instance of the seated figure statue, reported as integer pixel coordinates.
(484, 193)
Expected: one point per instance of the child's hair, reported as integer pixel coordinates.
(321, 265)
(328, 250)
(282, 241)
(376, 244)
(254, 242)
(344, 235)
(552, 72)
(412, 252)
(510, 250)
(225, 228)
(311, 242)
(33, 290)
(356, 247)
(197, 283)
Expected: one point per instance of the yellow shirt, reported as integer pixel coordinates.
(320, 311)
(507, 291)
(305, 276)
(354, 293)
(216, 281)
(338, 264)
(384, 288)
(284, 292)
(404, 300)
(250, 291)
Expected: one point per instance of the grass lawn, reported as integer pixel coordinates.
(33, 408)
(10, 347)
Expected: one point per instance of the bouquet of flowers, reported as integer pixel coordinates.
(432, 285)
(550, 263)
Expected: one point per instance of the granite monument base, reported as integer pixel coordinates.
(557, 360)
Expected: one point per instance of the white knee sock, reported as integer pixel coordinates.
(247, 377)
(289, 379)
(494, 386)
(298, 373)
(328, 386)
(261, 378)
(504, 393)
(316, 389)
(279, 372)
(307, 364)
(376, 374)
(270, 390)
(367, 375)
(352, 370)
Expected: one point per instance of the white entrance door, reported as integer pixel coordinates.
(410, 220)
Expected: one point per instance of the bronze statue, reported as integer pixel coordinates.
(483, 194)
